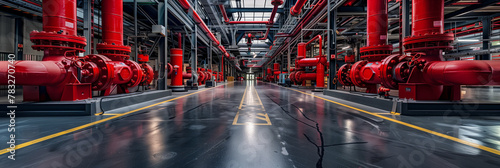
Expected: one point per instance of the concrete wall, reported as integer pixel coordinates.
(7, 32)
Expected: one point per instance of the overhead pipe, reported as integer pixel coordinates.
(224, 14)
(317, 8)
(295, 10)
(185, 4)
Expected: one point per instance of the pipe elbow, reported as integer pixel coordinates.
(460, 72)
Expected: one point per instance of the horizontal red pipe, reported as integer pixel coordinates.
(305, 76)
(186, 75)
(34, 73)
(463, 72)
(199, 21)
(305, 62)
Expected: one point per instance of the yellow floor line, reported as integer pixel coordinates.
(475, 145)
(32, 142)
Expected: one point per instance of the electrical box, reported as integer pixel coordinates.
(160, 29)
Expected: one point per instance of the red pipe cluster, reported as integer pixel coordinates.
(55, 77)
(316, 9)
(299, 74)
(269, 22)
(185, 4)
(422, 73)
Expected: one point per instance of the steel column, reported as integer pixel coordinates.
(486, 36)
(163, 47)
(406, 18)
(87, 24)
(332, 49)
(19, 36)
(135, 32)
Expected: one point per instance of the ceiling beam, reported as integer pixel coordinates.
(233, 10)
(470, 8)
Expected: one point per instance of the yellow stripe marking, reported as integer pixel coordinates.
(32, 142)
(475, 145)
(243, 98)
(260, 118)
(268, 121)
(383, 113)
(110, 114)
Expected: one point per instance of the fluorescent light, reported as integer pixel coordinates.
(468, 40)
(343, 48)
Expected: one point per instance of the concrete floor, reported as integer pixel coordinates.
(253, 124)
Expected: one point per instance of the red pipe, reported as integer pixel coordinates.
(265, 36)
(377, 19)
(463, 73)
(200, 21)
(302, 76)
(310, 15)
(223, 11)
(295, 10)
(318, 37)
(56, 72)
(179, 39)
(176, 60)
(276, 3)
(170, 69)
(34, 73)
(428, 18)
(222, 69)
(187, 75)
(112, 16)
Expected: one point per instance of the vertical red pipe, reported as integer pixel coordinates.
(179, 39)
(59, 15)
(112, 19)
(276, 67)
(377, 22)
(301, 50)
(428, 17)
(176, 60)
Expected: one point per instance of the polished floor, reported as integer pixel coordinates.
(253, 124)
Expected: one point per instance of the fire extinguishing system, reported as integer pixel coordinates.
(65, 75)
(318, 74)
(177, 75)
(421, 73)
